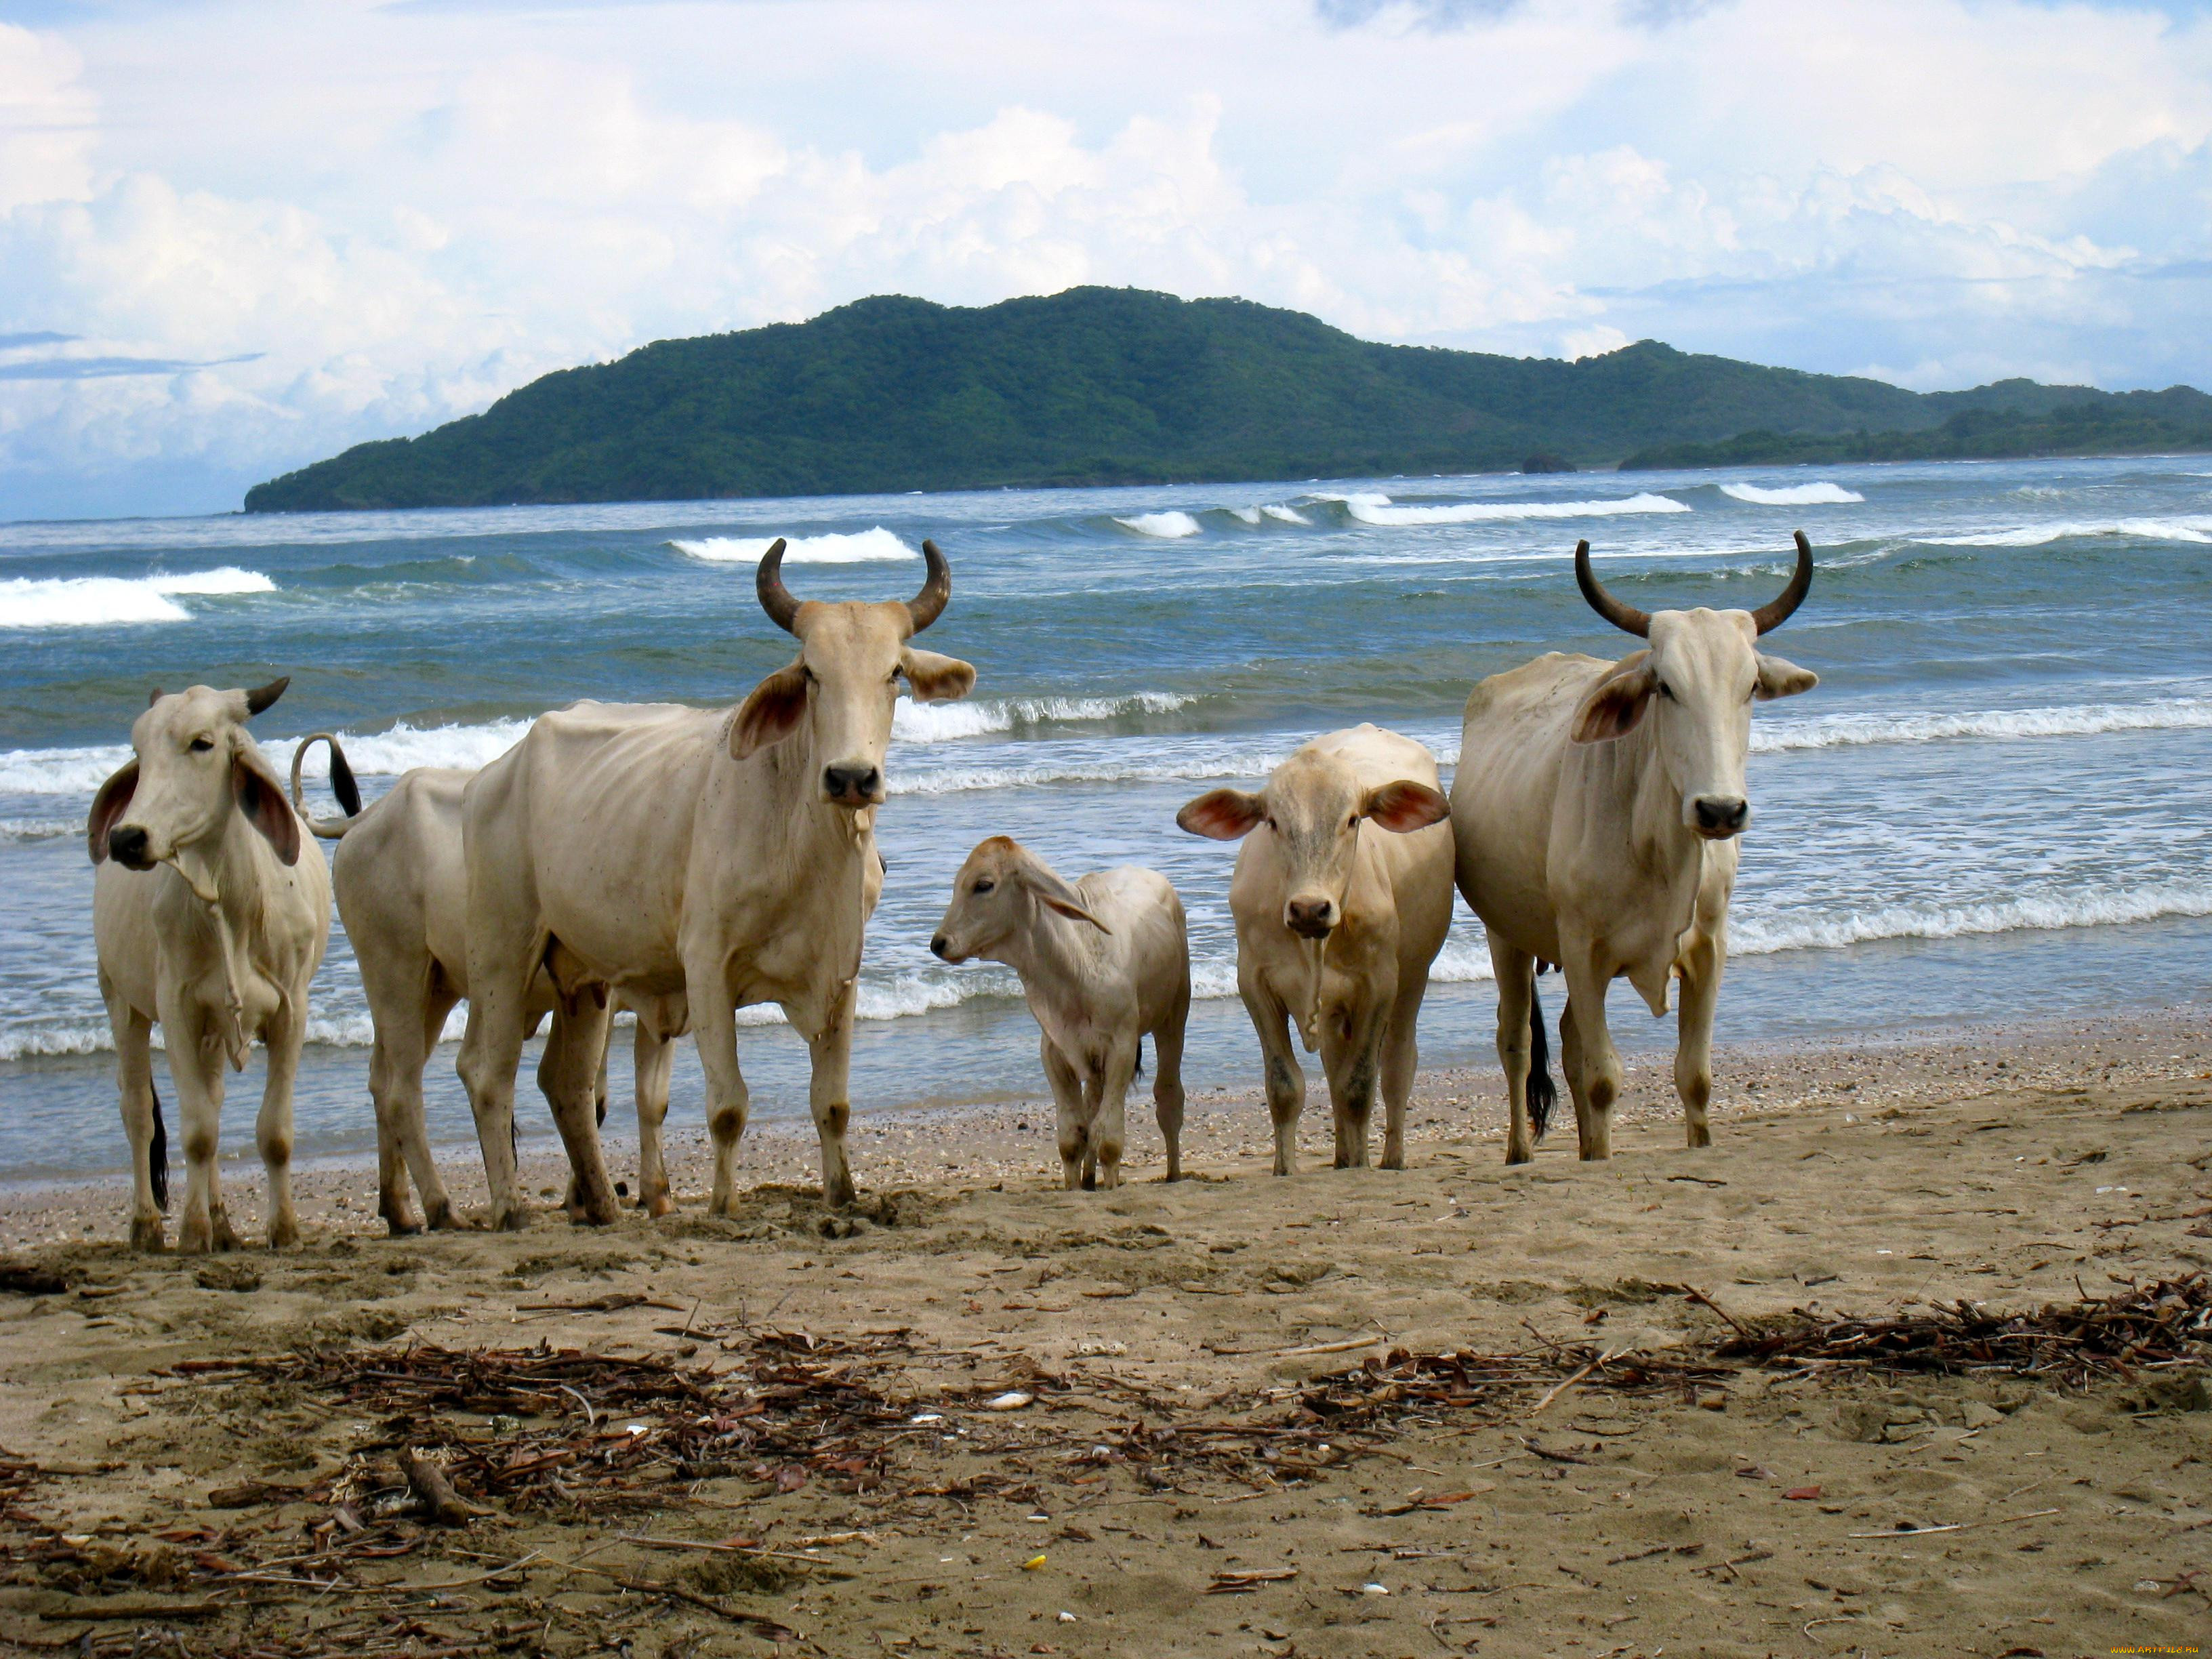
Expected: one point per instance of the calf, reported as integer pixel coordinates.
(210, 914)
(1105, 962)
(403, 893)
(1336, 927)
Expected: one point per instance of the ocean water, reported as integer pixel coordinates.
(1998, 804)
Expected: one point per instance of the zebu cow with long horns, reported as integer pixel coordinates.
(1596, 812)
(725, 853)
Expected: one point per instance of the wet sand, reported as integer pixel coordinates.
(2014, 1168)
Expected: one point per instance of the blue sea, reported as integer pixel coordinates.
(1997, 805)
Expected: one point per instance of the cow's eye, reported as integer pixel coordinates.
(1352, 823)
(983, 886)
(1666, 691)
(201, 745)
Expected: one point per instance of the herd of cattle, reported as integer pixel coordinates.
(683, 863)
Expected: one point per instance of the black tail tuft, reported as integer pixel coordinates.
(343, 783)
(1543, 1095)
(158, 1154)
(1139, 1072)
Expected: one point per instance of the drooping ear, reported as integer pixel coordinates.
(1404, 806)
(1222, 814)
(1612, 707)
(771, 713)
(1780, 678)
(933, 678)
(107, 806)
(1055, 894)
(261, 798)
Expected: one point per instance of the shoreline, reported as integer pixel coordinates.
(984, 1141)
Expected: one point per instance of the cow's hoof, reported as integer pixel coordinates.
(195, 1237)
(658, 1205)
(441, 1217)
(401, 1227)
(589, 1215)
(512, 1220)
(839, 1196)
(284, 1233)
(1700, 1137)
(148, 1233)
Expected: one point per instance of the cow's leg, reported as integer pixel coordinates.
(1110, 1123)
(569, 1074)
(273, 1130)
(134, 1077)
(714, 1029)
(1167, 1081)
(490, 1052)
(196, 1062)
(1402, 1060)
(829, 1094)
(1353, 1063)
(1285, 1079)
(655, 1058)
(1599, 1066)
(404, 1042)
(1071, 1113)
(1516, 973)
(1693, 1039)
(1570, 1062)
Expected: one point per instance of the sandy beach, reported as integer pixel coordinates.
(1456, 1408)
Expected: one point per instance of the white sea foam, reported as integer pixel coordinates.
(2067, 720)
(1811, 494)
(1282, 514)
(382, 754)
(38, 829)
(2034, 912)
(105, 601)
(1378, 510)
(939, 722)
(2195, 528)
(1169, 525)
(1248, 515)
(860, 547)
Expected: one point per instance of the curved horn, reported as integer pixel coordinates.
(1626, 618)
(926, 606)
(776, 598)
(262, 696)
(1771, 616)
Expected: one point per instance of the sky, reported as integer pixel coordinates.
(239, 235)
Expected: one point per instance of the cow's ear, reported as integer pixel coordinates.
(933, 678)
(1405, 806)
(261, 798)
(1612, 707)
(1222, 814)
(1055, 894)
(1780, 678)
(107, 806)
(771, 713)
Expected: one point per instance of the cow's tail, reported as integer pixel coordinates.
(1139, 1072)
(342, 784)
(157, 1155)
(1543, 1095)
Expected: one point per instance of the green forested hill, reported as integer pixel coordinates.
(1094, 385)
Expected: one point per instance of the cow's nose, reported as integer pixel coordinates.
(1723, 815)
(126, 845)
(937, 946)
(1309, 918)
(852, 784)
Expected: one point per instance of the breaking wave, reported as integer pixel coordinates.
(1371, 508)
(381, 754)
(38, 829)
(2071, 721)
(1169, 525)
(1753, 936)
(105, 601)
(860, 547)
(2194, 528)
(939, 722)
(1811, 494)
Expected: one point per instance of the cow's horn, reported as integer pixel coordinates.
(776, 598)
(926, 606)
(1626, 618)
(262, 696)
(1769, 617)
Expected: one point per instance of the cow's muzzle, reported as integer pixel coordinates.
(1311, 918)
(1717, 817)
(128, 846)
(941, 948)
(852, 783)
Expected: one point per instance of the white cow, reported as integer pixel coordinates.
(1336, 925)
(727, 853)
(1596, 807)
(403, 893)
(210, 914)
(1105, 962)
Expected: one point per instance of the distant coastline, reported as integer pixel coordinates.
(1118, 387)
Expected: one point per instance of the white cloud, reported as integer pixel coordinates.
(399, 213)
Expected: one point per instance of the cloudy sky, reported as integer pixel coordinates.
(236, 235)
